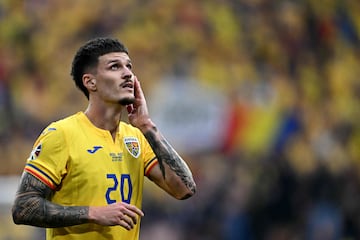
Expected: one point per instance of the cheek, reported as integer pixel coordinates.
(111, 91)
(107, 88)
(108, 83)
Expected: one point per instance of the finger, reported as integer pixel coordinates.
(129, 223)
(125, 224)
(133, 215)
(138, 90)
(135, 210)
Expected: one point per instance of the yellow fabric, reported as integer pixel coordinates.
(87, 168)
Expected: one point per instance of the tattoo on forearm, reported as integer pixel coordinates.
(32, 206)
(166, 154)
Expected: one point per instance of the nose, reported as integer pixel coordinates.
(128, 74)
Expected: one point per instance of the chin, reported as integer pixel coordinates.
(126, 101)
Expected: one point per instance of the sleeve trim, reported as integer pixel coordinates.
(152, 163)
(42, 176)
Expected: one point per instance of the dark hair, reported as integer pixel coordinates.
(88, 55)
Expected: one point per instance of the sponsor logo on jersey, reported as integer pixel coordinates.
(133, 146)
(35, 152)
(95, 148)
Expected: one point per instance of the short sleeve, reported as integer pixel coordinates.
(49, 156)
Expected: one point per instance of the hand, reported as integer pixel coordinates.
(119, 213)
(138, 113)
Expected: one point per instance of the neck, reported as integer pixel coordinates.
(104, 118)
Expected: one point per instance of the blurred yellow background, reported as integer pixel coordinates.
(261, 98)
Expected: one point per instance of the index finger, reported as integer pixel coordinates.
(138, 90)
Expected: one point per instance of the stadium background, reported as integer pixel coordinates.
(261, 97)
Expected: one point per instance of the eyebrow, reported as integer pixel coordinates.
(117, 60)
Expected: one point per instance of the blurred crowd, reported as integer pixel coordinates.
(288, 159)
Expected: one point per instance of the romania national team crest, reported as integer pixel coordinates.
(133, 146)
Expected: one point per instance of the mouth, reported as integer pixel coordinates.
(128, 85)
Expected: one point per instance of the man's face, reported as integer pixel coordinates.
(115, 79)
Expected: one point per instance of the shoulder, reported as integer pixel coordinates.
(66, 124)
(69, 120)
(57, 128)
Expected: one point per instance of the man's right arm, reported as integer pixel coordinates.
(32, 207)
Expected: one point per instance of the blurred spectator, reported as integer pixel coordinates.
(286, 73)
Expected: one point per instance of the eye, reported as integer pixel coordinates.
(114, 67)
(129, 66)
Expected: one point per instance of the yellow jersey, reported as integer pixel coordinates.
(86, 167)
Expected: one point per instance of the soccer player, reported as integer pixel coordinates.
(84, 177)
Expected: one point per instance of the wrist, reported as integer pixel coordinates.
(92, 214)
(147, 126)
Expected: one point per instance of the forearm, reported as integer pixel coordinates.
(32, 208)
(176, 168)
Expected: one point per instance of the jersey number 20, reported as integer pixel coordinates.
(125, 188)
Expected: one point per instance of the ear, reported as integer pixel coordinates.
(89, 82)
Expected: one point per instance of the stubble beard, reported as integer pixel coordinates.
(126, 101)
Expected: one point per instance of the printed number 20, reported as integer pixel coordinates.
(125, 184)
